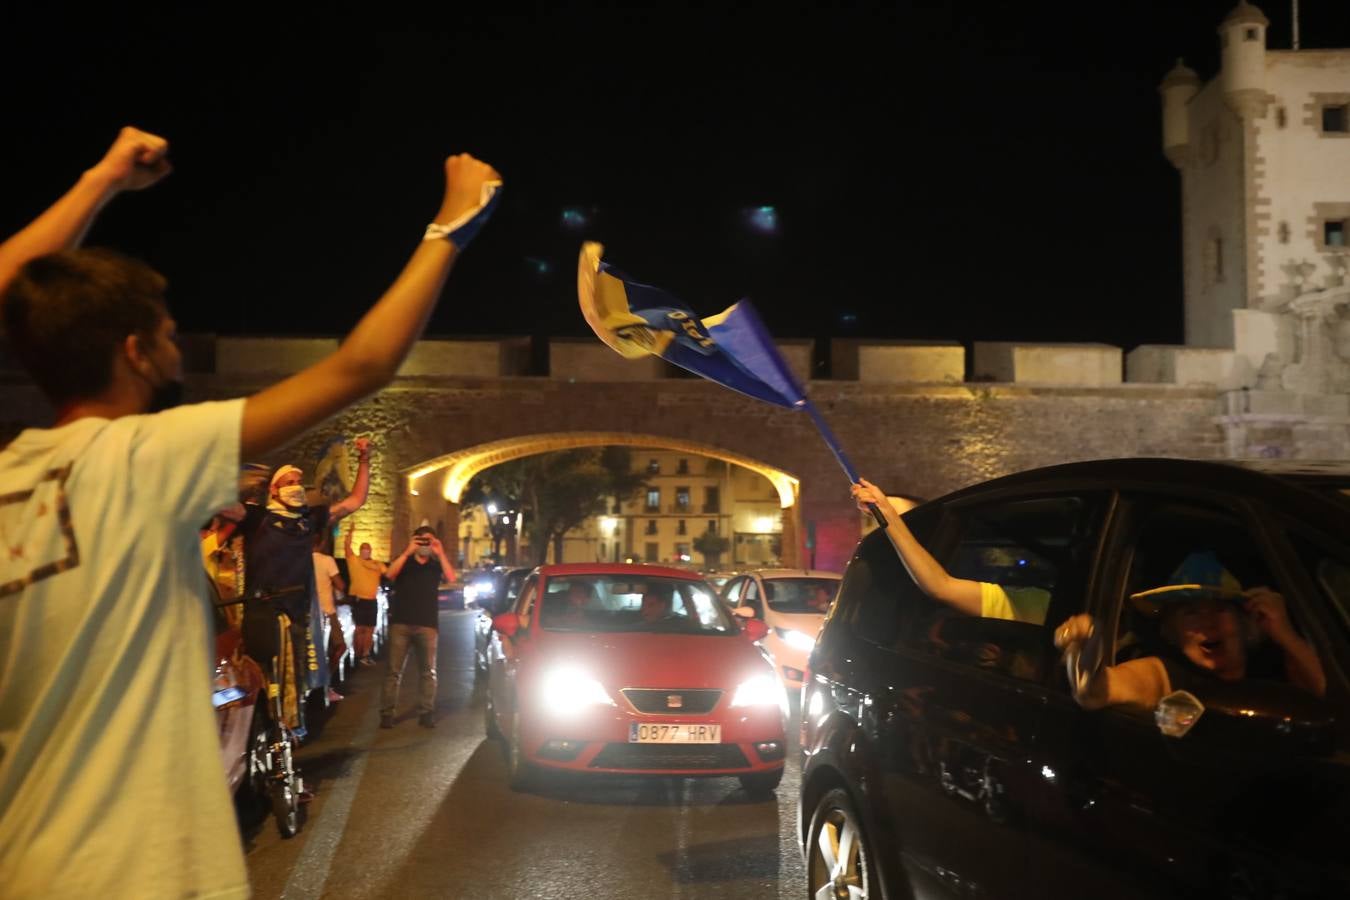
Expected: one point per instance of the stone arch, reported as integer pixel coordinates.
(431, 490)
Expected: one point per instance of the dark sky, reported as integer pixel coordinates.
(958, 170)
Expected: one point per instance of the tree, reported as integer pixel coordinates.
(712, 545)
(559, 491)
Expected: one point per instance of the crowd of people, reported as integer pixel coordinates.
(110, 771)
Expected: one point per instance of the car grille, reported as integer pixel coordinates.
(670, 756)
(690, 703)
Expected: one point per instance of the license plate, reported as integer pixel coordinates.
(673, 733)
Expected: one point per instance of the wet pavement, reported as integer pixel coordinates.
(414, 812)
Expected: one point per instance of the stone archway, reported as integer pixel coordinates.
(431, 490)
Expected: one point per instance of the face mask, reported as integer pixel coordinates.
(423, 552)
(292, 495)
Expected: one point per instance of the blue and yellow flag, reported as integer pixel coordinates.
(732, 348)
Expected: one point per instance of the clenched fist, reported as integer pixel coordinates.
(136, 160)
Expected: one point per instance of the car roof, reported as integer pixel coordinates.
(1250, 474)
(795, 573)
(558, 569)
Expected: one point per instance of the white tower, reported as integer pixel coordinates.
(1243, 76)
(1177, 89)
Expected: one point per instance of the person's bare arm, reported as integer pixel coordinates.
(339, 585)
(357, 498)
(926, 571)
(347, 543)
(1137, 682)
(370, 356)
(137, 159)
(447, 570)
(1302, 666)
(397, 565)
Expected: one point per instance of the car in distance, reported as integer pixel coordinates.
(792, 603)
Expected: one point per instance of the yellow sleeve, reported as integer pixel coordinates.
(1029, 604)
(994, 602)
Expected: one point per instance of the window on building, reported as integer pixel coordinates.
(1333, 232)
(1336, 118)
(682, 497)
(653, 467)
(679, 527)
(682, 552)
(653, 554)
(1251, 34)
(651, 526)
(1281, 117)
(712, 526)
(683, 468)
(653, 499)
(1283, 232)
(1212, 261)
(712, 500)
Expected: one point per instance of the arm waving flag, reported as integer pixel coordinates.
(732, 348)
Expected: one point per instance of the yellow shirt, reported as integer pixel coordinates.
(1026, 604)
(365, 575)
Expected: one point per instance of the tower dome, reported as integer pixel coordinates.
(1243, 76)
(1177, 89)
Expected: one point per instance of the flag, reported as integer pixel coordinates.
(732, 348)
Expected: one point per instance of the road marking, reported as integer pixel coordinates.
(309, 874)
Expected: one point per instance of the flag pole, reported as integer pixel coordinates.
(833, 443)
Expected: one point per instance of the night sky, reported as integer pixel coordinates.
(967, 171)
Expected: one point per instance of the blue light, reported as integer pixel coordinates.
(574, 218)
(538, 266)
(763, 219)
(848, 318)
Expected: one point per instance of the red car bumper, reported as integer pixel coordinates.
(598, 740)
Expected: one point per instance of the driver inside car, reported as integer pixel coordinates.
(656, 604)
(974, 598)
(1210, 627)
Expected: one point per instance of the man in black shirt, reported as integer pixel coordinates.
(416, 576)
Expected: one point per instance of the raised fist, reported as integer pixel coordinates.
(464, 181)
(136, 160)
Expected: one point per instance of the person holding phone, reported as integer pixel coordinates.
(414, 617)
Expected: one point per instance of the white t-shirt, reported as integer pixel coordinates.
(325, 567)
(110, 776)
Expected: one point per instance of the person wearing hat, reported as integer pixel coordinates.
(1210, 625)
(279, 566)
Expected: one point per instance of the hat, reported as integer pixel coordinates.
(1200, 575)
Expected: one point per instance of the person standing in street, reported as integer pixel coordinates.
(111, 783)
(329, 585)
(364, 573)
(413, 622)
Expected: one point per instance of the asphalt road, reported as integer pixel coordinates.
(413, 813)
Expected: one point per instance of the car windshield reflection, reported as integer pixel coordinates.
(599, 603)
(801, 595)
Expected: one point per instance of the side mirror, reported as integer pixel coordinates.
(506, 623)
(754, 629)
(744, 612)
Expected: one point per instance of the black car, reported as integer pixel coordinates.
(945, 756)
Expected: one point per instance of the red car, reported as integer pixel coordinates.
(632, 669)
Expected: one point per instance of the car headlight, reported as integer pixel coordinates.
(470, 593)
(797, 640)
(568, 690)
(761, 690)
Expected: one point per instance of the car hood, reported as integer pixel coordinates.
(807, 623)
(653, 660)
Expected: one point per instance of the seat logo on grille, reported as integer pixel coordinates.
(674, 701)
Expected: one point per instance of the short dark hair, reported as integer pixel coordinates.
(424, 529)
(67, 313)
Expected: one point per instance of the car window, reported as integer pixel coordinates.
(733, 594)
(797, 594)
(877, 591)
(1031, 557)
(1329, 570)
(1192, 556)
(627, 603)
(751, 593)
(524, 606)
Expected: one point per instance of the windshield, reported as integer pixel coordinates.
(632, 603)
(514, 580)
(801, 595)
